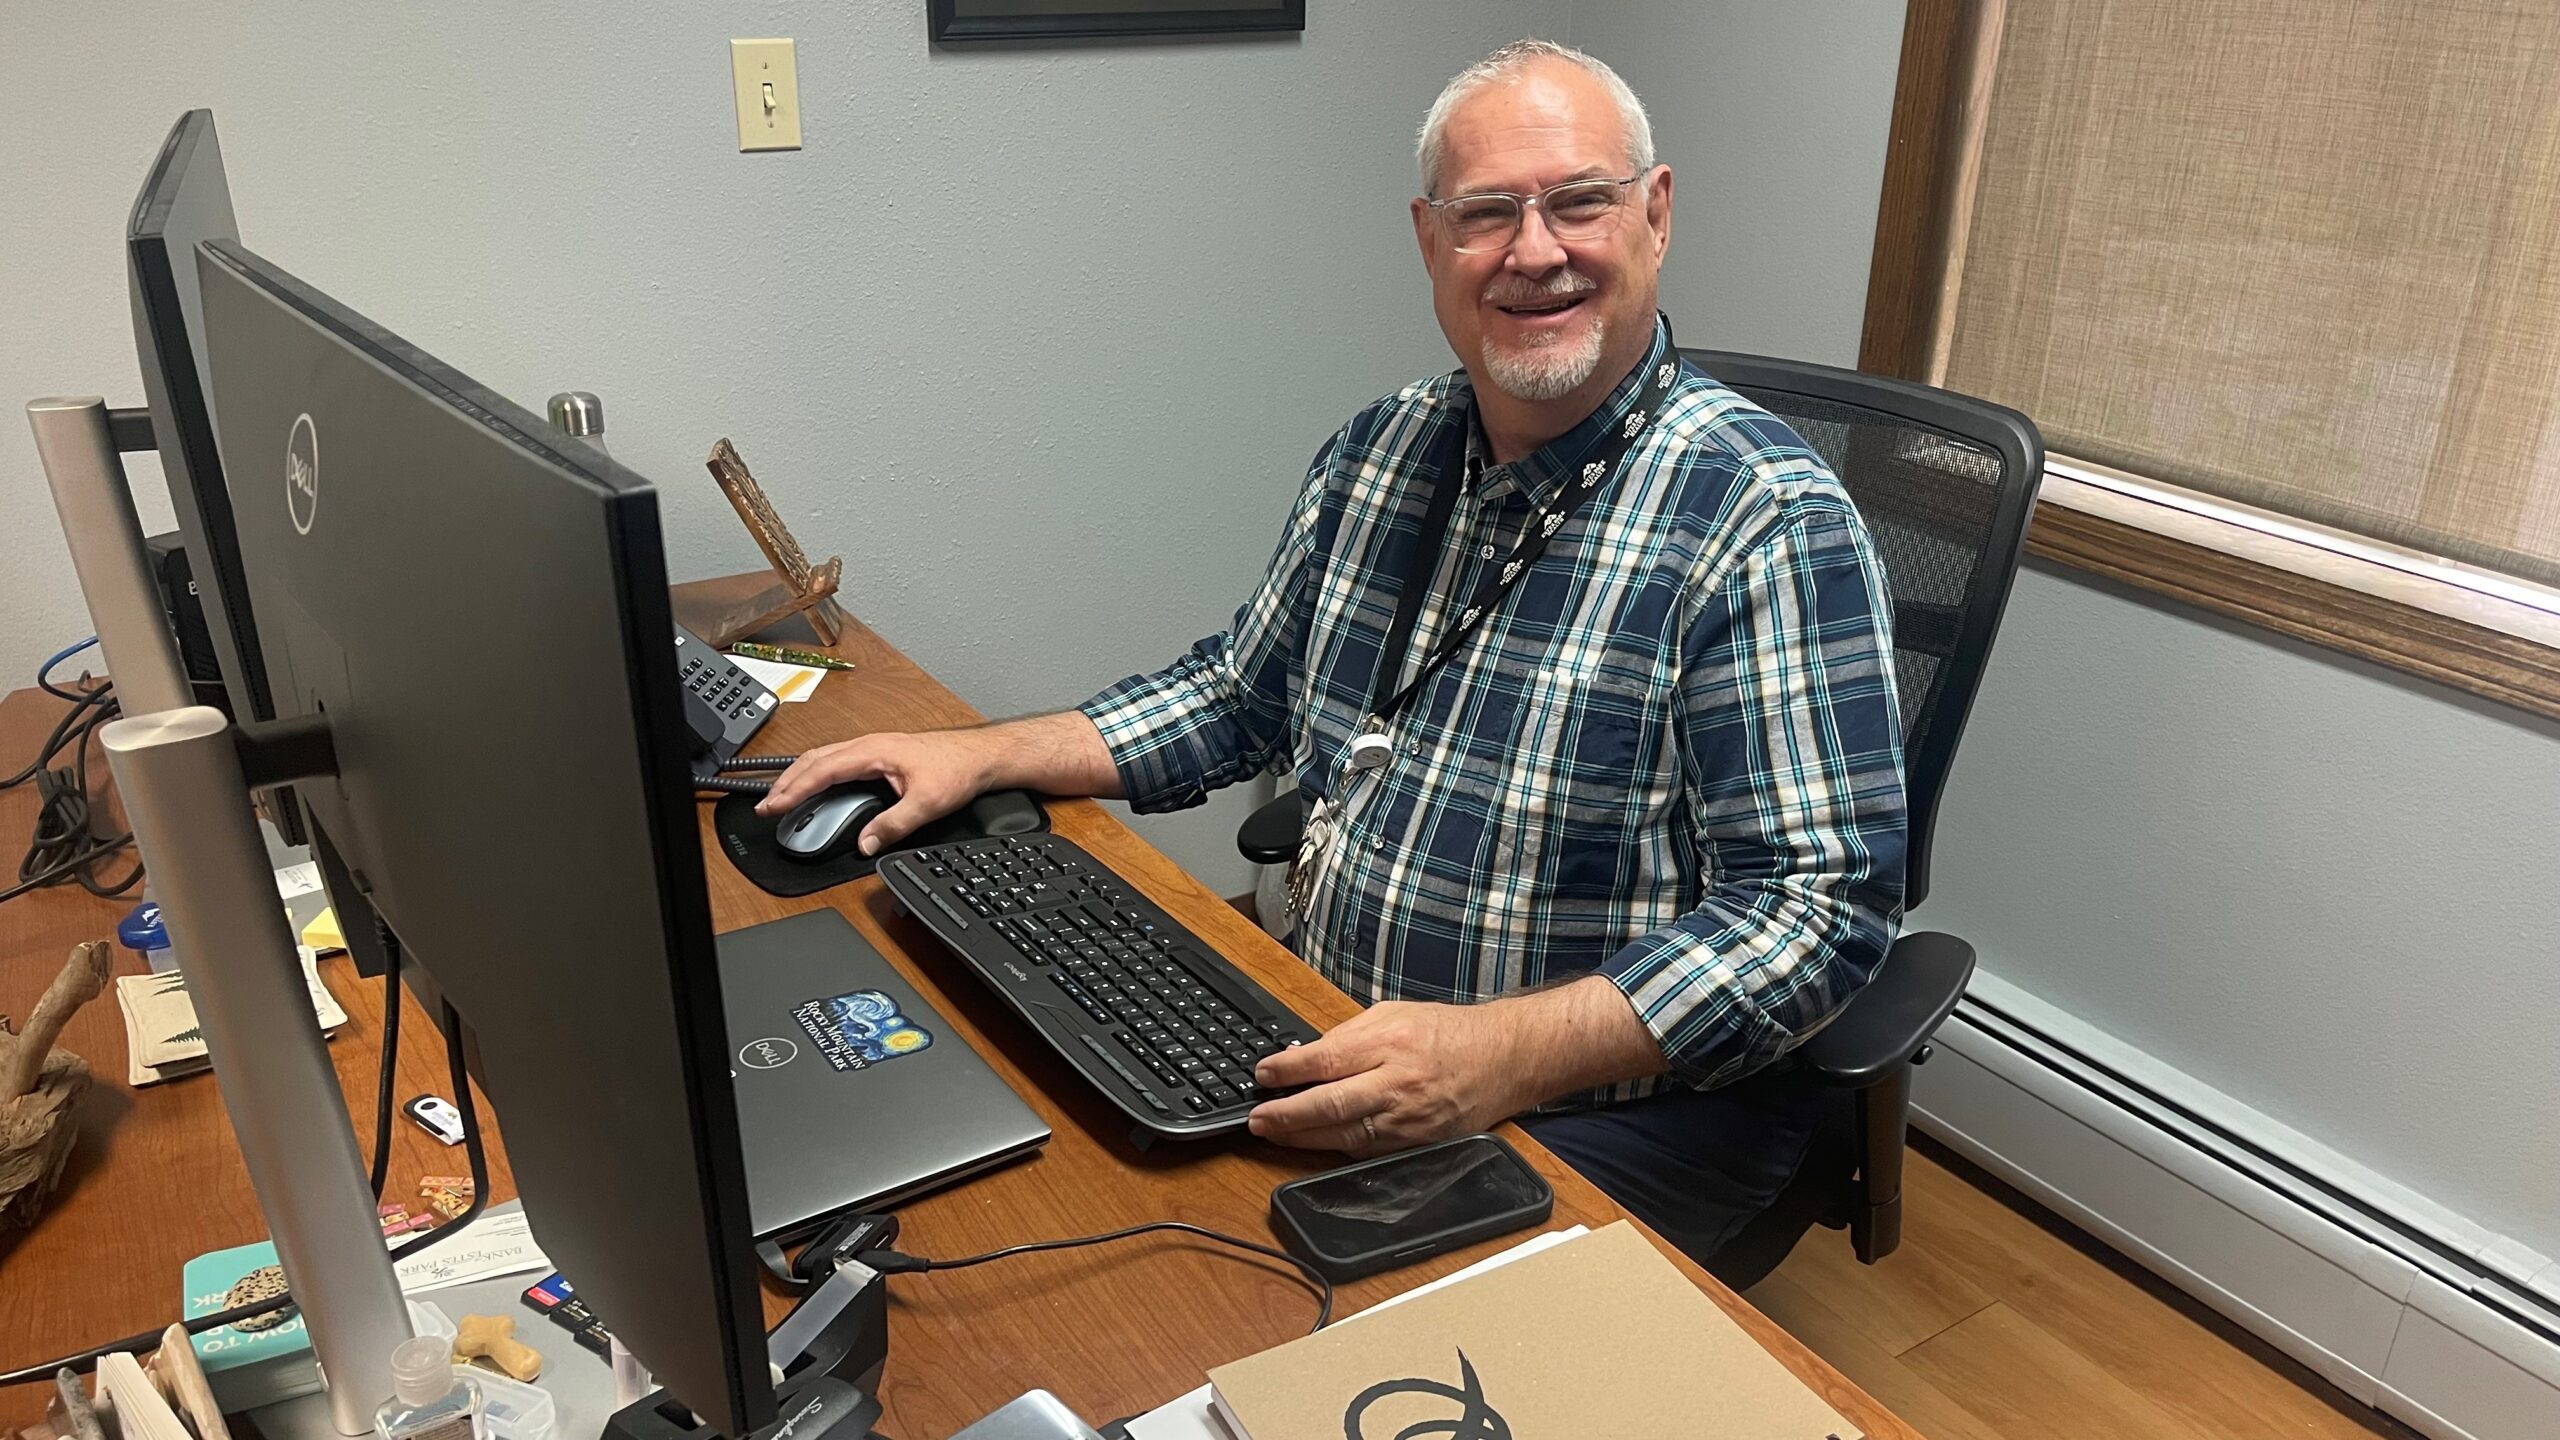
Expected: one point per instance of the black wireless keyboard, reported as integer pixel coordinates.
(1153, 1018)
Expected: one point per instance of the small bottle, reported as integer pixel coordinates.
(429, 1399)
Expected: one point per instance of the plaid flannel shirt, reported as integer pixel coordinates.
(1671, 756)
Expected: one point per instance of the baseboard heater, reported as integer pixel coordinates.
(2392, 1298)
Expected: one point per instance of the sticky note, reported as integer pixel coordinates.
(322, 934)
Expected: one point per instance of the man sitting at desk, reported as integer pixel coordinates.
(1623, 823)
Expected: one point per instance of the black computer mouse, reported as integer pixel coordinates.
(829, 823)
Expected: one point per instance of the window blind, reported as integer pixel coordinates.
(2304, 256)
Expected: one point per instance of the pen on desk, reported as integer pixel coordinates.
(790, 655)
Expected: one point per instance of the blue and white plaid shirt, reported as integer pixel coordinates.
(1672, 755)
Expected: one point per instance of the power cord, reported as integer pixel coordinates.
(66, 845)
(459, 1076)
(893, 1262)
(479, 1160)
(384, 1077)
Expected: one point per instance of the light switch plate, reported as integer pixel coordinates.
(767, 78)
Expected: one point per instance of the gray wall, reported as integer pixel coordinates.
(1772, 116)
(2320, 887)
(1041, 341)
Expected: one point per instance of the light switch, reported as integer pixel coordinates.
(767, 78)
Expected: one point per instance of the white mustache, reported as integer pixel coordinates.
(1519, 290)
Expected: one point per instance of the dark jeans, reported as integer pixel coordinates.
(1696, 1165)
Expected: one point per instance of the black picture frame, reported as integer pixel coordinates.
(1104, 21)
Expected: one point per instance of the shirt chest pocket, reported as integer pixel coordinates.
(1571, 761)
(1593, 740)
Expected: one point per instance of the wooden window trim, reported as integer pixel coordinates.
(2486, 634)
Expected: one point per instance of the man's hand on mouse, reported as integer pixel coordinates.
(939, 771)
(934, 774)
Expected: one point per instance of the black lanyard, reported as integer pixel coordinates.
(1599, 466)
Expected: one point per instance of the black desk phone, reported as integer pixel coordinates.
(723, 704)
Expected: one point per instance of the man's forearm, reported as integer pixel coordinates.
(1575, 1036)
(1059, 754)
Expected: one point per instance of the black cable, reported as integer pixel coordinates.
(384, 1078)
(44, 672)
(60, 872)
(61, 733)
(740, 763)
(140, 1341)
(727, 786)
(150, 1339)
(66, 846)
(77, 807)
(460, 1075)
(892, 1262)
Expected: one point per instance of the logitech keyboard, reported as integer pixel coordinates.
(1154, 1019)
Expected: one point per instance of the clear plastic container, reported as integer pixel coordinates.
(513, 1410)
(426, 1317)
(509, 1408)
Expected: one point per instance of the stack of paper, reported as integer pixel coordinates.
(788, 682)
(162, 1039)
(142, 1413)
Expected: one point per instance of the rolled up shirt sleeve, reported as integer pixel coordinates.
(1220, 713)
(1792, 751)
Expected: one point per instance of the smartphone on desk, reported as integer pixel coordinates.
(1401, 1208)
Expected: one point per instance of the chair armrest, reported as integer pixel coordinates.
(1885, 1024)
(1269, 836)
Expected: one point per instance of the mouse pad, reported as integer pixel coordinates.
(747, 839)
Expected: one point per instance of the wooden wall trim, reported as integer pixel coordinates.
(2471, 658)
(1912, 223)
(1913, 226)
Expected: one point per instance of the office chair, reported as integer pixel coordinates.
(1946, 485)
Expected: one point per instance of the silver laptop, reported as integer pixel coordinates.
(852, 1092)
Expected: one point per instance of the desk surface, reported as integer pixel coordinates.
(1114, 1330)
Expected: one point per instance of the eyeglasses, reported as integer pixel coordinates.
(1575, 210)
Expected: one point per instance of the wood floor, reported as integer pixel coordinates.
(1999, 1320)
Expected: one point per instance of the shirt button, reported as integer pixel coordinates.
(1413, 747)
(1486, 553)
(1378, 843)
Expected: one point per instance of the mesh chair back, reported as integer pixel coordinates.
(1946, 485)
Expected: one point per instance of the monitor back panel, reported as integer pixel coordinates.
(484, 621)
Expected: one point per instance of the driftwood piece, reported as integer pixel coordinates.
(176, 1370)
(72, 1416)
(22, 1056)
(40, 1087)
(805, 588)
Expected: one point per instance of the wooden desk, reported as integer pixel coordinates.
(1112, 1330)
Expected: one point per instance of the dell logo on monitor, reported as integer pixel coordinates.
(302, 474)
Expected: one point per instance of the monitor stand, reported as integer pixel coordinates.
(185, 774)
(829, 1352)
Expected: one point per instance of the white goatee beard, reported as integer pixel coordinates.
(1547, 367)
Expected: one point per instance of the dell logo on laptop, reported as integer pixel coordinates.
(302, 474)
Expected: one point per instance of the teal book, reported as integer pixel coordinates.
(260, 1366)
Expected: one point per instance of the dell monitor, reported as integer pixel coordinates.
(186, 199)
(405, 536)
